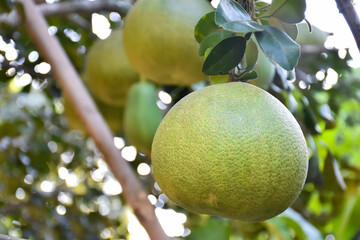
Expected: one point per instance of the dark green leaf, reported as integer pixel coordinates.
(248, 76)
(226, 55)
(213, 39)
(314, 175)
(205, 26)
(251, 55)
(309, 118)
(233, 17)
(279, 47)
(289, 11)
(5, 6)
(332, 175)
(325, 112)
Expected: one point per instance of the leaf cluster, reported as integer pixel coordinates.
(226, 33)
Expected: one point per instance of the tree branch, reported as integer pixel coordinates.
(75, 91)
(5, 237)
(64, 8)
(347, 9)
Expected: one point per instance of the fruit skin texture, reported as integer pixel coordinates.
(159, 40)
(108, 72)
(142, 116)
(230, 150)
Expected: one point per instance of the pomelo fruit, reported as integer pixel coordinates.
(316, 37)
(265, 70)
(142, 116)
(159, 40)
(231, 150)
(108, 72)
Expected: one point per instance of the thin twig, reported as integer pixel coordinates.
(75, 91)
(346, 7)
(64, 8)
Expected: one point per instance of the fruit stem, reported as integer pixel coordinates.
(232, 75)
(249, 6)
(143, 78)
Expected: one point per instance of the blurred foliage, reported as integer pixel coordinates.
(53, 181)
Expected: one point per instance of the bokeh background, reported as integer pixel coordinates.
(54, 183)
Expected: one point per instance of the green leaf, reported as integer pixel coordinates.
(289, 11)
(219, 79)
(302, 228)
(248, 76)
(314, 175)
(213, 39)
(213, 229)
(260, 5)
(278, 229)
(251, 55)
(346, 223)
(309, 118)
(279, 47)
(226, 55)
(332, 175)
(290, 29)
(205, 26)
(5, 6)
(233, 17)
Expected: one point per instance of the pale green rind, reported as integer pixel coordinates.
(316, 37)
(230, 150)
(265, 70)
(108, 71)
(142, 116)
(159, 40)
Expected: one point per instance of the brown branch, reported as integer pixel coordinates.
(64, 8)
(5, 237)
(75, 91)
(347, 9)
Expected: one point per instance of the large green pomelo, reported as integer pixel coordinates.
(231, 150)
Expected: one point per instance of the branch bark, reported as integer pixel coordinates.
(64, 8)
(347, 9)
(73, 88)
(5, 237)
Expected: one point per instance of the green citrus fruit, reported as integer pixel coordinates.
(231, 150)
(108, 71)
(265, 70)
(142, 116)
(316, 37)
(159, 40)
(113, 116)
